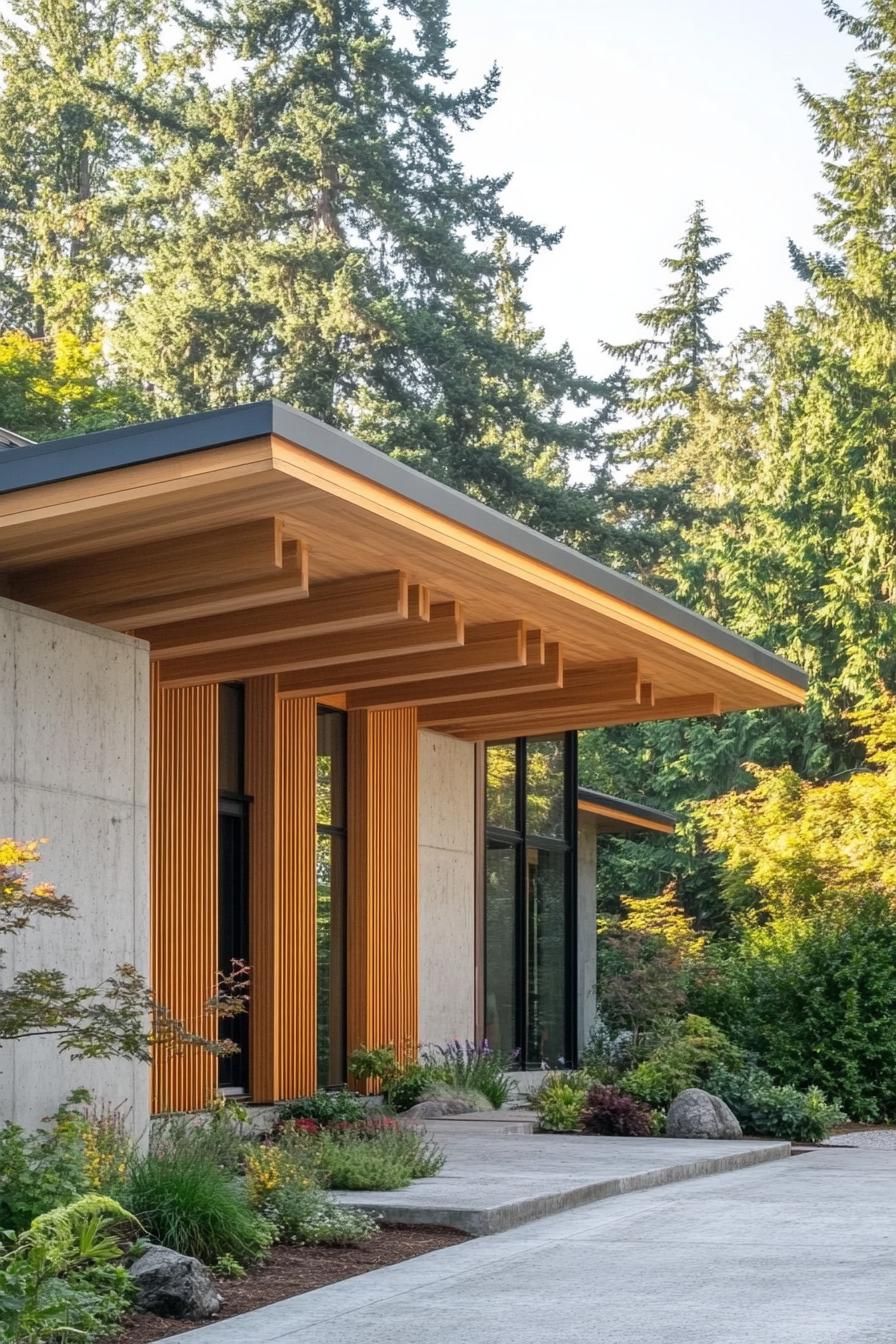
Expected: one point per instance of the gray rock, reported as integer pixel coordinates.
(436, 1106)
(695, 1114)
(170, 1284)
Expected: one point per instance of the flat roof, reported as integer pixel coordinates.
(622, 811)
(39, 464)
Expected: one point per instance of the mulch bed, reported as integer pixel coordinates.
(298, 1269)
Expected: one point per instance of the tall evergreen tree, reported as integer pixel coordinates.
(666, 369)
(64, 155)
(323, 244)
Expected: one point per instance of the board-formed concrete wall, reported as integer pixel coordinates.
(447, 889)
(74, 768)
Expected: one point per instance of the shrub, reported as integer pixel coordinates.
(407, 1087)
(683, 1059)
(763, 1107)
(642, 980)
(559, 1102)
(402, 1084)
(308, 1217)
(815, 1003)
(606, 1053)
(377, 1156)
(293, 1161)
(471, 1066)
(607, 1110)
(324, 1108)
(188, 1203)
(42, 1170)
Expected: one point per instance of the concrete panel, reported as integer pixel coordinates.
(586, 903)
(447, 839)
(74, 711)
(75, 702)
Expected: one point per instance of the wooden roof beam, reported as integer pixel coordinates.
(289, 584)
(486, 648)
(542, 670)
(519, 724)
(424, 630)
(340, 604)
(87, 584)
(605, 685)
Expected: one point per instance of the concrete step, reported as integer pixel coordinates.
(472, 1124)
(493, 1180)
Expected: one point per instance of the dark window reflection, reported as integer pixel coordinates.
(529, 894)
(546, 987)
(331, 898)
(501, 946)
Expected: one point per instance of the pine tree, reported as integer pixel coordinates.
(322, 243)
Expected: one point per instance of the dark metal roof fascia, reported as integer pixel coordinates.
(637, 811)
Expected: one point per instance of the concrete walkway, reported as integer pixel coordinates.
(795, 1252)
(493, 1180)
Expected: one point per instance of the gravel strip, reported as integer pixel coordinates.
(863, 1138)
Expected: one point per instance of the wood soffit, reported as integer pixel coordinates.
(260, 557)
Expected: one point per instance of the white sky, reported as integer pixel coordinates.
(616, 115)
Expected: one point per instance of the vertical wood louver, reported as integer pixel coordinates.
(184, 884)
(280, 754)
(382, 886)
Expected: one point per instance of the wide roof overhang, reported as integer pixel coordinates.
(258, 540)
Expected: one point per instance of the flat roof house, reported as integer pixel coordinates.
(272, 695)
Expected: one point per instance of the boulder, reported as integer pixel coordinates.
(695, 1114)
(170, 1284)
(436, 1106)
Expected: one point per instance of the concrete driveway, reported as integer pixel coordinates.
(801, 1251)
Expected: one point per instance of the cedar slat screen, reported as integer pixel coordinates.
(382, 878)
(184, 884)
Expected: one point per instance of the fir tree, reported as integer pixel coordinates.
(666, 370)
(63, 154)
(322, 243)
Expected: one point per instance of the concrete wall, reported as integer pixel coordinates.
(74, 768)
(447, 889)
(586, 986)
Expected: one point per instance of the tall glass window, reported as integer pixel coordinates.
(331, 898)
(233, 874)
(530, 898)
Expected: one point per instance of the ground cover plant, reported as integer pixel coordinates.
(63, 1277)
(379, 1154)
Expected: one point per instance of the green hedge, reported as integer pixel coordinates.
(815, 1004)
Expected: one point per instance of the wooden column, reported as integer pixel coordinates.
(280, 778)
(184, 883)
(382, 879)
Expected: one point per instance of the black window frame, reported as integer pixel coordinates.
(522, 839)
